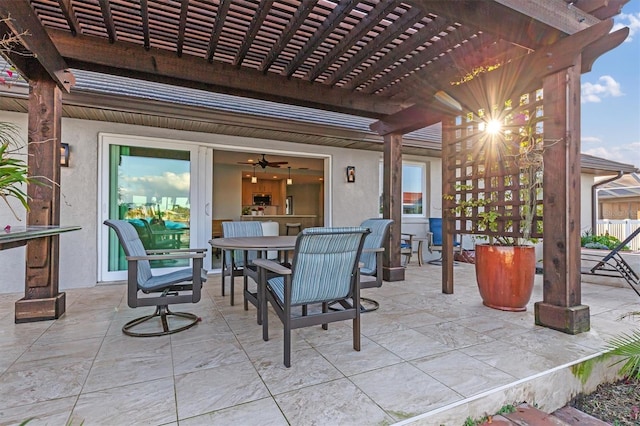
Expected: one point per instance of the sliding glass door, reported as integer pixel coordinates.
(159, 187)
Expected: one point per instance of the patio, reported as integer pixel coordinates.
(427, 358)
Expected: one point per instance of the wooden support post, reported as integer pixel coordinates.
(392, 205)
(42, 300)
(561, 308)
(448, 154)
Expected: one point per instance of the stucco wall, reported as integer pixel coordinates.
(350, 203)
(586, 182)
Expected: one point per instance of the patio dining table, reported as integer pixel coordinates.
(263, 244)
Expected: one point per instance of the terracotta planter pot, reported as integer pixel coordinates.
(505, 276)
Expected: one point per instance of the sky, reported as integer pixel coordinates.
(611, 97)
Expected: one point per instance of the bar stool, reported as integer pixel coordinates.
(293, 227)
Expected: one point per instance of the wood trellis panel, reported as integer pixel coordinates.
(481, 166)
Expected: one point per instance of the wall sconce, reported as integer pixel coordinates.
(289, 180)
(254, 179)
(64, 155)
(351, 174)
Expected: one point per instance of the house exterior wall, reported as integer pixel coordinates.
(586, 182)
(349, 203)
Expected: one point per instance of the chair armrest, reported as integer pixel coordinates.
(372, 250)
(184, 250)
(272, 266)
(168, 256)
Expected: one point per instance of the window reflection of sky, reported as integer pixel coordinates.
(412, 178)
(150, 180)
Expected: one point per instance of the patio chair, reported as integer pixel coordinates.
(181, 286)
(371, 258)
(434, 239)
(613, 264)
(150, 240)
(406, 246)
(235, 264)
(324, 269)
(216, 232)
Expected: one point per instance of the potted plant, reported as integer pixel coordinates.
(505, 207)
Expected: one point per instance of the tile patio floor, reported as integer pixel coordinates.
(422, 352)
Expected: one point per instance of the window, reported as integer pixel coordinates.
(414, 191)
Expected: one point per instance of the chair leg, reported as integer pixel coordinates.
(287, 343)
(265, 320)
(356, 332)
(325, 309)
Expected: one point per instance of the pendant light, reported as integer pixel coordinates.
(289, 180)
(254, 179)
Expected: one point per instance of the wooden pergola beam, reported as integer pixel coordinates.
(544, 62)
(96, 54)
(25, 25)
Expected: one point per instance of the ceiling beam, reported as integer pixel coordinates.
(70, 16)
(378, 13)
(529, 69)
(494, 18)
(108, 20)
(558, 14)
(182, 27)
(131, 60)
(406, 21)
(254, 27)
(26, 26)
(605, 44)
(290, 30)
(221, 16)
(612, 8)
(334, 19)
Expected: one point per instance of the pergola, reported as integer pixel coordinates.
(408, 64)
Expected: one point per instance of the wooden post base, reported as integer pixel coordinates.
(568, 319)
(29, 310)
(393, 273)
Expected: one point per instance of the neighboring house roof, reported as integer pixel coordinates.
(627, 186)
(105, 97)
(602, 167)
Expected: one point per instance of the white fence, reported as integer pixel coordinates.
(620, 229)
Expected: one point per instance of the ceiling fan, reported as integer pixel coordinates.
(264, 163)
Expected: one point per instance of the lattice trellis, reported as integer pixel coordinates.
(493, 181)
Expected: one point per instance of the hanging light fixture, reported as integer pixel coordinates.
(289, 180)
(254, 179)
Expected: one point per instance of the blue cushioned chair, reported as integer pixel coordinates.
(324, 269)
(181, 286)
(235, 262)
(434, 242)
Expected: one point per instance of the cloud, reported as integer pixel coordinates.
(606, 86)
(627, 154)
(590, 139)
(630, 20)
(167, 185)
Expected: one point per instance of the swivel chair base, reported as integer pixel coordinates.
(366, 305)
(162, 312)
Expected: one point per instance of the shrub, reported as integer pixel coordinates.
(605, 242)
